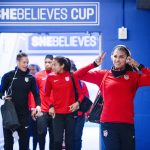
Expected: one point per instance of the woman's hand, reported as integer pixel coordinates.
(132, 63)
(38, 111)
(74, 106)
(52, 112)
(99, 60)
(33, 114)
(7, 98)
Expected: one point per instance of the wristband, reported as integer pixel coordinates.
(3, 97)
(140, 66)
(79, 102)
(51, 106)
(94, 63)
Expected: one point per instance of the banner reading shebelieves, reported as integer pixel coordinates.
(66, 43)
(49, 13)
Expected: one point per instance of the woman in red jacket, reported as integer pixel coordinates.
(118, 92)
(63, 106)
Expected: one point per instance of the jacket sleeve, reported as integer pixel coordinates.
(31, 101)
(144, 77)
(94, 76)
(4, 85)
(35, 91)
(48, 91)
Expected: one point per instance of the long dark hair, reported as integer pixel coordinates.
(64, 61)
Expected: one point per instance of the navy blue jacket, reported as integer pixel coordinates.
(22, 84)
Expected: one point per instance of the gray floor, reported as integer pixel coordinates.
(90, 138)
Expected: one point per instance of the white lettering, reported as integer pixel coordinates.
(82, 13)
(27, 14)
(74, 41)
(74, 14)
(63, 41)
(50, 13)
(64, 15)
(57, 14)
(42, 14)
(13, 14)
(90, 12)
(34, 41)
(34, 16)
(55, 41)
(20, 13)
(47, 13)
(93, 41)
(5, 14)
(87, 41)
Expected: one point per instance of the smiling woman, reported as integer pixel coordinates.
(63, 106)
(17, 84)
(118, 91)
(22, 61)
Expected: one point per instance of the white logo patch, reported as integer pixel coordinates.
(105, 133)
(26, 79)
(126, 77)
(67, 78)
(55, 81)
(43, 78)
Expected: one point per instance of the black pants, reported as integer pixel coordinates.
(33, 132)
(23, 138)
(118, 136)
(44, 122)
(61, 123)
(79, 124)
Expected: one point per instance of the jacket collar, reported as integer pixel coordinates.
(118, 74)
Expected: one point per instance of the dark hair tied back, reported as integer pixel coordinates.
(123, 48)
(20, 55)
(64, 61)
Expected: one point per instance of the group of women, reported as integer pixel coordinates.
(118, 92)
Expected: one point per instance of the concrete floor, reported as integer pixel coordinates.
(90, 138)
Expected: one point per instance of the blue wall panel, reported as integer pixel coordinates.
(137, 22)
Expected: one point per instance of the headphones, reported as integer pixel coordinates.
(126, 49)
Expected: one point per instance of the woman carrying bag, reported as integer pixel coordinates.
(17, 84)
(118, 92)
(63, 107)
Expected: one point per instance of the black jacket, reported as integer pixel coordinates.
(22, 84)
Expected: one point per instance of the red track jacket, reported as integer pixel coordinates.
(41, 80)
(63, 91)
(118, 93)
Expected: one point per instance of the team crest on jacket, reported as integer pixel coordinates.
(105, 133)
(67, 78)
(26, 79)
(126, 77)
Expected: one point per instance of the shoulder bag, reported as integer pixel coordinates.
(97, 107)
(8, 111)
(86, 103)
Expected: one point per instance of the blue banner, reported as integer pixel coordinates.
(74, 43)
(49, 14)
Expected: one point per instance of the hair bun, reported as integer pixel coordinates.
(20, 51)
